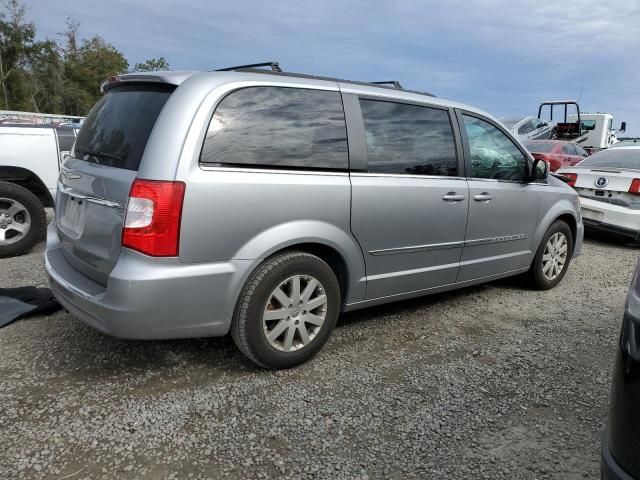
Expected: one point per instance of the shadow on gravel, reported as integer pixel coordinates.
(404, 307)
(91, 353)
(103, 356)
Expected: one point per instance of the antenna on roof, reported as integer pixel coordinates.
(275, 67)
(395, 83)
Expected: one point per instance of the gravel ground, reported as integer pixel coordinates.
(495, 381)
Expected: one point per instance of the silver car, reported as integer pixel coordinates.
(265, 203)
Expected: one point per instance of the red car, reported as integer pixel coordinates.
(557, 153)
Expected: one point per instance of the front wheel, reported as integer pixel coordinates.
(553, 256)
(287, 310)
(22, 220)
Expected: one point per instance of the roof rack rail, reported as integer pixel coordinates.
(395, 83)
(275, 67)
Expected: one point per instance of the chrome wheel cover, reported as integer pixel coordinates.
(15, 221)
(294, 313)
(555, 256)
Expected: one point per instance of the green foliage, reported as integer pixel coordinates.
(94, 61)
(152, 65)
(47, 76)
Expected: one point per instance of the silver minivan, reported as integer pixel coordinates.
(265, 203)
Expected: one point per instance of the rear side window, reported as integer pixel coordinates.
(408, 139)
(278, 127)
(614, 158)
(117, 129)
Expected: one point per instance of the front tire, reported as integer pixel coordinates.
(287, 310)
(22, 220)
(553, 256)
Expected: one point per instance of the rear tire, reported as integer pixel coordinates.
(553, 257)
(287, 293)
(22, 220)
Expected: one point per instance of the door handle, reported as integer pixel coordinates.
(483, 197)
(453, 197)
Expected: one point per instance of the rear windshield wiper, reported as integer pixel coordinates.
(93, 153)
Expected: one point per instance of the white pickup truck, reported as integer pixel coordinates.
(30, 157)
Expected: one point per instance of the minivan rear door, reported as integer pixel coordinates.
(96, 178)
(410, 199)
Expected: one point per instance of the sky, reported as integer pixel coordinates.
(504, 57)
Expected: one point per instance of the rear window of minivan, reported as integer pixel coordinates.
(278, 127)
(117, 129)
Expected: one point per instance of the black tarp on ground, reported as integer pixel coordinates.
(21, 302)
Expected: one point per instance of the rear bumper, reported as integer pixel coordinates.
(610, 218)
(148, 298)
(609, 467)
(609, 228)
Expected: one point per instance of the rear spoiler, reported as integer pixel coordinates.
(170, 78)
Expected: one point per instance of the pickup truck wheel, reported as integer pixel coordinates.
(287, 310)
(22, 220)
(553, 256)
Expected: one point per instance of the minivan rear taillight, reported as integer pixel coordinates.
(152, 221)
(635, 186)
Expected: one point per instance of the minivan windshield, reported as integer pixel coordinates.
(116, 130)
(616, 158)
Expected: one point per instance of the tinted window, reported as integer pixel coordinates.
(408, 139)
(569, 149)
(278, 127)
(588, 125)
(493, 154)
(116, 130)
(616, 158)
(539, 147)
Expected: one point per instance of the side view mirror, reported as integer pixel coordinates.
(623, 127)
(539, 170)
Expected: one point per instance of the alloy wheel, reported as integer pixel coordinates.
(555, 256)
(294, 313)
(15, 221)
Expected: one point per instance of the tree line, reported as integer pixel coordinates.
(60, 76)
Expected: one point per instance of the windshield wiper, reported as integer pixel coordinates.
(94, 153)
